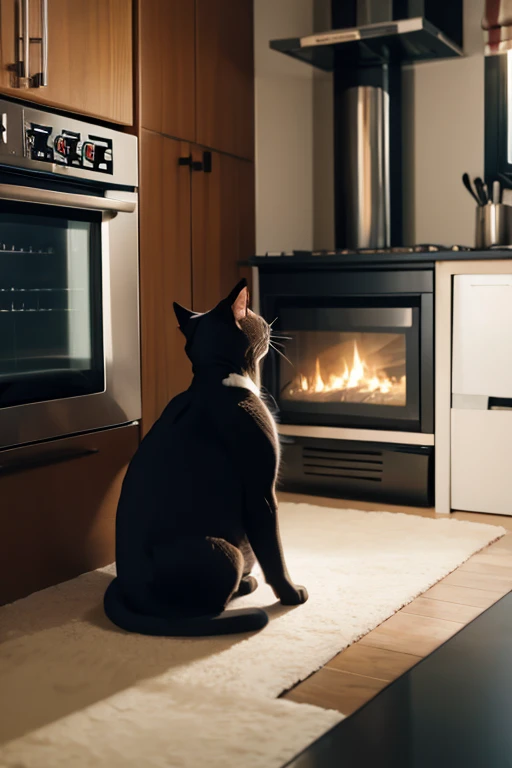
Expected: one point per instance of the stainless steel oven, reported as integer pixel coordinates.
(69, 328)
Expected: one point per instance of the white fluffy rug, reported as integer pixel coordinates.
(76, 691)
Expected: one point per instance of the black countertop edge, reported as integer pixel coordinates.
(379, 259)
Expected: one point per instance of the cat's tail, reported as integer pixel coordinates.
(226, 623)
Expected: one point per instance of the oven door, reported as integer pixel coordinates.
(344, 359)
(69, 341)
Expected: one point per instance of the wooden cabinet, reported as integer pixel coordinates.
(223, 227)
(57, 517)
(195, 226)
(167, 71)
(196, 102)
(165, 269)
(225, 76)
(89, 56)
(197, 72)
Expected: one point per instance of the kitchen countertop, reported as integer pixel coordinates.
(375, 259)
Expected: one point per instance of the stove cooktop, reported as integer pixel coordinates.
(427, 248)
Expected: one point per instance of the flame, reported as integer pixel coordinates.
(318, 385)
(358, 378)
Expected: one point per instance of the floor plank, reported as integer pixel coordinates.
(503, 544)
(491, 569)
(408, 633)
(332, 689)
(499, 584)
(373, 662)
(478, 598)
(439, 609)
(492, 556)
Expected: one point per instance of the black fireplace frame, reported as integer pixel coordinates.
(408, 288)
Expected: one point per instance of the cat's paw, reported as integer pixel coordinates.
(293, 595)
(247, 585)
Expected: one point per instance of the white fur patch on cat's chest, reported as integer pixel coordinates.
(245, 382)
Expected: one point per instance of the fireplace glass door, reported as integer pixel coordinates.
(353, 363)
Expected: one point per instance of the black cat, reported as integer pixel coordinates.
(198, 502)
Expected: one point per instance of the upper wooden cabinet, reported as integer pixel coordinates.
(225, 76)
(89, 48)
(167, 70)
(197, 72)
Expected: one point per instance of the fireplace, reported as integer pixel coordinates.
(352, 376)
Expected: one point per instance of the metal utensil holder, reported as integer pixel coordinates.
(493, 225)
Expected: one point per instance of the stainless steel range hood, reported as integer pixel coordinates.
(402, 41)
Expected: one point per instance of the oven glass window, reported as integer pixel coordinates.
(50, 303)
(352, 367)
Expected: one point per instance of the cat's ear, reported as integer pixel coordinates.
(238, 299)
(241, 305)
(183, 315)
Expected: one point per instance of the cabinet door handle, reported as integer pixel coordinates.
(207, 162)
(44, 44)
(40, 79)
(24, 67)
(45, 460)
(197, 165)
(185, 160)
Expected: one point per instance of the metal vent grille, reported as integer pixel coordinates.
(363, 466)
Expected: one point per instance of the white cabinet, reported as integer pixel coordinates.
(481, 437)
(482, 335)
(481, 461)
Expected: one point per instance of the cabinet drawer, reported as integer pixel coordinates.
(58, 506)
(482, 335)
(481, 457)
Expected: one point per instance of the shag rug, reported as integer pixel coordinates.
(75, 691)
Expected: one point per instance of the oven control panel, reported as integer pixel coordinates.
(61, 146)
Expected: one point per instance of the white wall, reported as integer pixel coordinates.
(443, 138)
(284, 129)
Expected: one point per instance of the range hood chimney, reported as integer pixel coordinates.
(366, 61)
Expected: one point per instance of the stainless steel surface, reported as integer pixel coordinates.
(25, 71)
(374, 11)
(382, 29)
(3, 130)
(64, 199)
(44, 43)
(366, 160)
(14, 153)
(120, 402)
(493, 225)
(365, 435)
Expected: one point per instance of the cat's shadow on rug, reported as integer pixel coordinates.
(69, 655)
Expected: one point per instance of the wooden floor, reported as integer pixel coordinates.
(359, 672)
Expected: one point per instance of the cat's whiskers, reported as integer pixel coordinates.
(281, 353)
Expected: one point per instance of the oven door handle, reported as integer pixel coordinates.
(64, 199)
(47, 459)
